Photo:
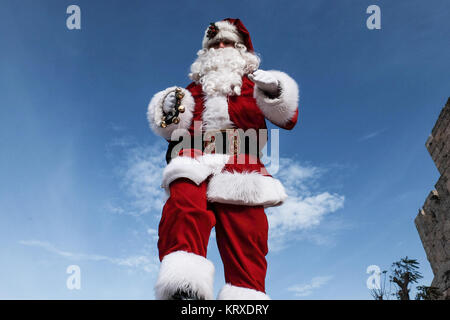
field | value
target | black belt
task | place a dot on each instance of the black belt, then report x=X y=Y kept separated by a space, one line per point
x=221 y=142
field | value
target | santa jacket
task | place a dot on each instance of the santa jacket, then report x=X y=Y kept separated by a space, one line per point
x=231 y=180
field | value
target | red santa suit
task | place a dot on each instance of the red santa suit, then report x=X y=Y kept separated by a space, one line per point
x=228 y=191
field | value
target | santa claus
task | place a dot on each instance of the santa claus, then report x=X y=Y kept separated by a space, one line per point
x=225 y=186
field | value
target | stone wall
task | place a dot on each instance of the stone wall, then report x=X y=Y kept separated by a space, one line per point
x=433 y=220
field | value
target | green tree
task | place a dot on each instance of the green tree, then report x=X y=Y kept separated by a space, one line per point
x=427 y=293
x=404 y=273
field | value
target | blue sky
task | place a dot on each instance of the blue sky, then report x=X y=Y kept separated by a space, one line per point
x=80 y=169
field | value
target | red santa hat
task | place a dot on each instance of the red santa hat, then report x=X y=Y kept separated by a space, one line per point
x=227 y=29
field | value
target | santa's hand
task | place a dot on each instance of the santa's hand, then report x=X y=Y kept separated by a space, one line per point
x=265 y=81
x=169 y=103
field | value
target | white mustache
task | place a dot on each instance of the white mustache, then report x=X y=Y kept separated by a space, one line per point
x=221 y=70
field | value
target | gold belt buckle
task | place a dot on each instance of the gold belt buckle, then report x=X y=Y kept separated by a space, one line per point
x=232 y=139
x=234 y=145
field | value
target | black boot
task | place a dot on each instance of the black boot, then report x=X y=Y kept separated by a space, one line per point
x=185 y=294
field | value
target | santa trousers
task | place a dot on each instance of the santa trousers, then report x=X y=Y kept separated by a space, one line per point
x=241 y=233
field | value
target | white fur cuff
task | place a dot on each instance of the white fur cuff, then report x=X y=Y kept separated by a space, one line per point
x=155 y=113
x=247 y=188
x=230 y=292
x=184 y=270
x=184 y=167
x=282 y=109
x=195 y=169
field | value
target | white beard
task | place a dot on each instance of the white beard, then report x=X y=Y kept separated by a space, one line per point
x=220 y=71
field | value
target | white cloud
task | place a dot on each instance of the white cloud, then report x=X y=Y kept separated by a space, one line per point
x=140 y=174
x=153 y=233
x=135 y=262
x=305 y=208
x=371 y=135
x=304 y=290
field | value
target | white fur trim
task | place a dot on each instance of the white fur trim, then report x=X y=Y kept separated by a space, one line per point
x=155 y=113
x=216 y=162
x=247 y=188
x=279 y=110
x=226 y=31
x=215 y=115
x=195 y=169
x=230 y=292
x=185 y=167
x=184 y=270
